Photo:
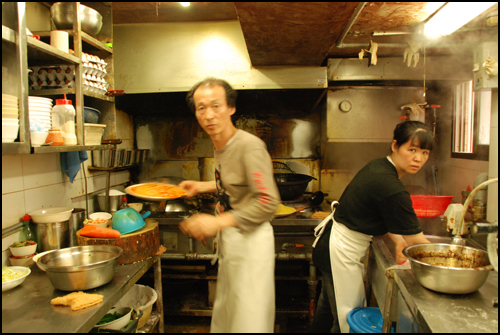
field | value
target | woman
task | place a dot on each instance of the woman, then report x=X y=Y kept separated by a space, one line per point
x=374 y=203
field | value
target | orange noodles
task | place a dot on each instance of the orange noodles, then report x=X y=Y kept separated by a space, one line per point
x=159 y=190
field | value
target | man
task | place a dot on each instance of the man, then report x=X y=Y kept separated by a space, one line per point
x=248 y=199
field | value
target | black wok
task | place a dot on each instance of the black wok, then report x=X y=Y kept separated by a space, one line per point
x=292 y=185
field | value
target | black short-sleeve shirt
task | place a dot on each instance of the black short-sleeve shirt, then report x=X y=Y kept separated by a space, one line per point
x=376 y=202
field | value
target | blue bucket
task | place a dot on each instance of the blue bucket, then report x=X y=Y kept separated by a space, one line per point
x=365 y=320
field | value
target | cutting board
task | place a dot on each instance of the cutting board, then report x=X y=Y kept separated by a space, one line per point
x=137 y=246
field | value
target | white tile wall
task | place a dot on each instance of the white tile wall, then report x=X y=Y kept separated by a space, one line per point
x=31 y=182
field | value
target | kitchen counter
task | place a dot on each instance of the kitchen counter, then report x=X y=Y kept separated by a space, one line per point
x=429 y=311
x=27 y=309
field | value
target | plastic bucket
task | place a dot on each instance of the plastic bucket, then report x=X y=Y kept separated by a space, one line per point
x=365 y=320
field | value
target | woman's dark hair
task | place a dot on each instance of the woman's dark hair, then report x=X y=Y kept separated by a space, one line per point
x=414 y=131
x=211 y=81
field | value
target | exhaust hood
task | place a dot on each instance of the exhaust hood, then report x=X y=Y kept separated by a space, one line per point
x=171 y=57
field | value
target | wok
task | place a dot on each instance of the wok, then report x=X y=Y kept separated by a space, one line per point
x=291 y=185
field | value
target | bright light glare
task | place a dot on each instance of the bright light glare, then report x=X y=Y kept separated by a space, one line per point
x=185 y=4
x=453 y=16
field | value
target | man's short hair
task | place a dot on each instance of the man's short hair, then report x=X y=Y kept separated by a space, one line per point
x=211 y=81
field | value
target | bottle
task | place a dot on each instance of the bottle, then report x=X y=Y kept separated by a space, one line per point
x=28 y=234
x=124 y=203
x=63 y=117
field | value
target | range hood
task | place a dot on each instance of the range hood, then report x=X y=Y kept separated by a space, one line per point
x=171 y=57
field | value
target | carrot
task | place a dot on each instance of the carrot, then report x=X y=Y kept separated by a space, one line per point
x=95 y=231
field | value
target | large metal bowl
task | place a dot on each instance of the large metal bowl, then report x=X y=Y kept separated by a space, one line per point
x=81 y=268
x=447 y=268
x=62 y=16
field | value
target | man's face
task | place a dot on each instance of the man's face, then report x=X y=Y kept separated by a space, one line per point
x=212 y=112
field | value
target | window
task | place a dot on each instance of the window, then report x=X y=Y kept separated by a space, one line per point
x=471 y=122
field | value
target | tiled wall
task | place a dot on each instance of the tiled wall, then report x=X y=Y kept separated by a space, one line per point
x=31 y=182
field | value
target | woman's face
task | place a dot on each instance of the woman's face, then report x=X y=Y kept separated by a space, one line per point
x=409 y=157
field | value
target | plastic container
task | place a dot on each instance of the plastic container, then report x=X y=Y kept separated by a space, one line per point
x=140 y=297
x=429 y=206
x=365 y=320
x=63 y=117
x=54 y=137
x=93 y=133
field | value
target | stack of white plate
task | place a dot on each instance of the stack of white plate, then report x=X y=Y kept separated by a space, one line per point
x=40 y=111
x=10 y=118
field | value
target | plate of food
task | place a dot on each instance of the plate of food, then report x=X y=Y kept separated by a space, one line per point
x=284 y=211
x=156 y=191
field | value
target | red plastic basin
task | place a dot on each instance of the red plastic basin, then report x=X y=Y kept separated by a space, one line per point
x=429 y=206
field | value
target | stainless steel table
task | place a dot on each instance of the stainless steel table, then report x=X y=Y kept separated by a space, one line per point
x=27 y=309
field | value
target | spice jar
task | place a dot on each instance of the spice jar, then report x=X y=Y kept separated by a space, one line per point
x=55 y=137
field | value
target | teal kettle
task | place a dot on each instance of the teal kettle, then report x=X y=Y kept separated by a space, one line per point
x=128 y=220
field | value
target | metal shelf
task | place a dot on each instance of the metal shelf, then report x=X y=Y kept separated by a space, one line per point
x=41 y=53
x=70 y=148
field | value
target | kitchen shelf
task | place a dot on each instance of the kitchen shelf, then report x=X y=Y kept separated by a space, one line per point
x=40 y=53
x=70 y=148
x=20 y=51
x=113 y=169
x=85 y=37
x=71 y=90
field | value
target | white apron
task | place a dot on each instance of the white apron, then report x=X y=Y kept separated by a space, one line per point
x=347 y=247
x=245 y=295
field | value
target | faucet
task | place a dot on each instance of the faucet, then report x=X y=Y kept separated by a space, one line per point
x=489 y=228
x=457 y=239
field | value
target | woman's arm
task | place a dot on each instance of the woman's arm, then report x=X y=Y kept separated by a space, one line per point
x=402 y=241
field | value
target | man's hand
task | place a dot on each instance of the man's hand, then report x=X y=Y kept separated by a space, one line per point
x=205 y=225
x=195 y=187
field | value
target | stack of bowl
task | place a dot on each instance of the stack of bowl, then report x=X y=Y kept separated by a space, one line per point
x=10 y=118
x=40 y=111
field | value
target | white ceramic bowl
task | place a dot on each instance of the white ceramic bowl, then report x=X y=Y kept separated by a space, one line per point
x=101 y=215
x=41 y=99
x=49 y=215
x=37 y=139
x=10 y=116
x=10 y=121
x=47 y=109
x=23 y=251
x=9 y=104
x=10 y=110
x=22 y=260
x=9 y=132
x=38 y=256
x=8 y=97
x=43 y=113
x=15 y=282
x=119 y=323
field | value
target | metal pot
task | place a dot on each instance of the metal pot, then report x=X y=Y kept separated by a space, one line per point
x=291 y=185
x=81 y=268
x=115 y=201
x=448 y=268
x=52 y=236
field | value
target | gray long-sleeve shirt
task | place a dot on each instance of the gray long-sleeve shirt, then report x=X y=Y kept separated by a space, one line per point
x=245 y=180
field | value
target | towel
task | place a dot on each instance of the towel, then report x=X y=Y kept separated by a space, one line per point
x=70 y=163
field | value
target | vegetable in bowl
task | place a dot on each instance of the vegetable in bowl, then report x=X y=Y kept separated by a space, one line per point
x=24 y=243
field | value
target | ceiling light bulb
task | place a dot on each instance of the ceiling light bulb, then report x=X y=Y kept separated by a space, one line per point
x=185 y=4
x=453 y=16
